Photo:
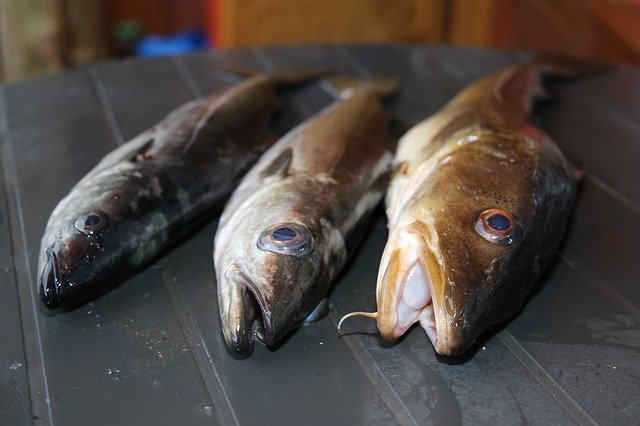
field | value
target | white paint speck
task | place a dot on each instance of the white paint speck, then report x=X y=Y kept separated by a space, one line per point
x=15 y=365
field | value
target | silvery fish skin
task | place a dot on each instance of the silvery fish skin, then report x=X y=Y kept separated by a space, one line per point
x=290 y=226
x=476 y=210
x=146 y=194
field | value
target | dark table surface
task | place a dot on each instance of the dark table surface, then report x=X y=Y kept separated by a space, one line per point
x=151 y=351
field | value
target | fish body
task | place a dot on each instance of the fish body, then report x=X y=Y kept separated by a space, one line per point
x=476 y=210
x=149 y=192
x=291 y=224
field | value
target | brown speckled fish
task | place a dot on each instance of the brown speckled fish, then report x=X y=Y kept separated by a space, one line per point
x=146 y=194
x=290 y=226
x=476 y=210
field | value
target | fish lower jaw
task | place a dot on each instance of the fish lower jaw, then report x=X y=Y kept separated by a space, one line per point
x=240 y=316
x=407 y=317
x=415 y=302
x=428 y=323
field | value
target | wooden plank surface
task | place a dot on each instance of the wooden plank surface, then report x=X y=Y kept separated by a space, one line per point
x=153 y=349
x=242 y=23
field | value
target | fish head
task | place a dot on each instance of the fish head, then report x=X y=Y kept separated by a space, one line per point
x=464 y=252
x=274 y=264
x=96 y=236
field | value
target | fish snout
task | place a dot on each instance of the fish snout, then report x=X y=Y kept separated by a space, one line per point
x=452 y=344
x=50 y=281
x=465 y=321
x=240 y=341
x=67 y=277
x=240 y=316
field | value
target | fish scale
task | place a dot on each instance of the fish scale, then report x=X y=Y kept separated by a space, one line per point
x=476 y=210
x=318 y=187
x=147 y=194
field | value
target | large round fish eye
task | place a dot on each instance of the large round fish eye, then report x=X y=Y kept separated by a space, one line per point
x=286 y=238
x=91 y=222
x=498 y=226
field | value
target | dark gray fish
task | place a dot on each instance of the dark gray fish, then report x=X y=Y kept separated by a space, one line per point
x=476 y=210
x=293 y=221
x=146 y=194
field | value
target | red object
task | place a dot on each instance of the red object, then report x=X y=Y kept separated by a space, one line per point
x=213 y=25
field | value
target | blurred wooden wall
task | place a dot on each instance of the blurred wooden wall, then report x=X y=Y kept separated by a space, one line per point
x=247 y=22
x=605 y=28
x=159 y=16
x=601 y=28
x=47 y=35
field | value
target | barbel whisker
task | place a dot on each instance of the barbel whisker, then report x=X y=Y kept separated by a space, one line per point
x=353 y=314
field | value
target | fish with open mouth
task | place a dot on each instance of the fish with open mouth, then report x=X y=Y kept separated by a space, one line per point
x=151 y=191
x=291 y=224
x=476 y=209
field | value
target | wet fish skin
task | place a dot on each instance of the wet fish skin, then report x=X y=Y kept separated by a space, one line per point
x=154 y=189
x=321 y=181
x=479 y=152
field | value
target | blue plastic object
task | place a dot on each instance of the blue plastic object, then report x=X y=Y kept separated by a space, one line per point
x=184 y=41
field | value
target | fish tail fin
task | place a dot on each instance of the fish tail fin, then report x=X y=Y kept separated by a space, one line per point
x=566 y=66
x=284 y=78
x=293 y=77
x=343 y=86
x=523 y=86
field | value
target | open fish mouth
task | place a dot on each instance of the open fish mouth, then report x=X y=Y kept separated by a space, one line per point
x=405 y=291
x=407 y=298
x=243 y=316
x=415 y=303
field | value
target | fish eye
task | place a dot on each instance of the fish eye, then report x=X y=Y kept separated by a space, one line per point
x=91 y=222
x=498 y=226
x=286 y=238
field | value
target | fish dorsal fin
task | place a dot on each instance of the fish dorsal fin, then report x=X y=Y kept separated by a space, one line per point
x=522 y=86
x=279 y=166
x=343 y=86
x=286 y=77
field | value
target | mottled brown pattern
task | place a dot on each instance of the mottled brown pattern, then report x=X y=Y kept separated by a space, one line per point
x=155 y=188
x=485 y=155
x=325 y=176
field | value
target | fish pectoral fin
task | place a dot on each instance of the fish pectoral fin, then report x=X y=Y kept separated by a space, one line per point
x=142 y=153
x=578 y=171
x=400 y=169
x=318 y=312
x=279 y=166
x=126 y=152
x=342 y=86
